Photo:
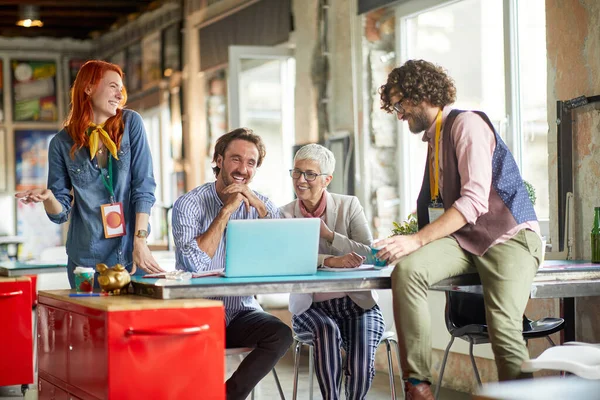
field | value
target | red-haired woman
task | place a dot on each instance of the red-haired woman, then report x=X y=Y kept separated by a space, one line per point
x=101 y=159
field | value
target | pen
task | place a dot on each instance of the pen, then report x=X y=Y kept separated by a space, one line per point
x=88 y=294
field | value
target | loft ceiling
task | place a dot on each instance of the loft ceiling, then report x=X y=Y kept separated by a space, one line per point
x=78 y=19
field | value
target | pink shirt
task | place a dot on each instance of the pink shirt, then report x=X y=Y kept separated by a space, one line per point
x=475 y=144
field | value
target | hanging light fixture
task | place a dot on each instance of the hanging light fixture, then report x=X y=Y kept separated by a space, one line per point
x=29 y=15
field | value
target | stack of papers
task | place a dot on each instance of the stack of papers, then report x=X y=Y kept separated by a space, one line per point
x=180 y=275
x=364 y=267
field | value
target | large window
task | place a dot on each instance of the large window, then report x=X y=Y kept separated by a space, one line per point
x=495 y=50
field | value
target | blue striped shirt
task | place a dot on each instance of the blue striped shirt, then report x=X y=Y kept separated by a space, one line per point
x=192 y=215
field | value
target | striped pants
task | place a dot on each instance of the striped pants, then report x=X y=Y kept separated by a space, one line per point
x=338 y=323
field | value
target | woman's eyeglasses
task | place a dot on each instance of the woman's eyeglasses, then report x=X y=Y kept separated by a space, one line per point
x=309 y=176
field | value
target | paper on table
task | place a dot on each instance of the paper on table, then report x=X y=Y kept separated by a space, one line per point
x=215 y=272
x=364 y=267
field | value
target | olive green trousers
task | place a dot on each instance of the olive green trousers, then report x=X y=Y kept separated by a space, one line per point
x=506 y=271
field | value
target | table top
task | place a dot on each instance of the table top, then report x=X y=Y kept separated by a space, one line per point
x=17 y=268
x=322 y=281
x=14 y=279
x=555 y=279
x=11 y=239
x=125 y=302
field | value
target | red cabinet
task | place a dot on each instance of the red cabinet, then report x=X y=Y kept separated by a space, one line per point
x=47 y=391
x=130 y=347
x=16 y=360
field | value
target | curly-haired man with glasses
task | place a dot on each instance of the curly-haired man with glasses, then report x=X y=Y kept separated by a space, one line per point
x=473 y=212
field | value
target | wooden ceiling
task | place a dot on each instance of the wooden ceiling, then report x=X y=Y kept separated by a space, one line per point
x=78 y=19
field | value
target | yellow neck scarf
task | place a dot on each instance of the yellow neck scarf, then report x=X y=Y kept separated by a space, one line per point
x=98 y=133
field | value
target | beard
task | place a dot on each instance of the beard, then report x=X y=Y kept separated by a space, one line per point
x=228 y=178
x=417 y=121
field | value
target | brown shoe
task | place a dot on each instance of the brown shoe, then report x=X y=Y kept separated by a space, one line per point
x=421 y=391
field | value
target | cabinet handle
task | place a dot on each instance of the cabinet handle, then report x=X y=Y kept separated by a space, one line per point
x=11 y=294
x=188 y=330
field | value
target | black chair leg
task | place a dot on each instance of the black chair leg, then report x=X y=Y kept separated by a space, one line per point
x=439 y=384
x=474 y=364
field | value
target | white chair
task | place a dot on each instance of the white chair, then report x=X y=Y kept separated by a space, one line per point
x=581 y=359
x=242 y=352
x=389 y=338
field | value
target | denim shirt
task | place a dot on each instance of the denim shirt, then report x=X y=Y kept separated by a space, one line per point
x=134 y=186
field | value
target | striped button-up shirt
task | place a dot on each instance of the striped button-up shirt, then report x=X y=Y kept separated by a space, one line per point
x=192 y=215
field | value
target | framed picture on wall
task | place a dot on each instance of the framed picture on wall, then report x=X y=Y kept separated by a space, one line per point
x=34 y=90
x=171 y=49
x=151 y=57
x=134 y=67
x=31 y=168
x=31 y=158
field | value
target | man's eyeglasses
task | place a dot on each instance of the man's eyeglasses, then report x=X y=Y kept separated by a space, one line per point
x=309 y=176
x=398 y=107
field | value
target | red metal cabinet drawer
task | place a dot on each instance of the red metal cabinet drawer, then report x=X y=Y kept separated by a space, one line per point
x=16 y=362
x=87 y=354
x=47 y=391
x=167 y=353
x=53 y=330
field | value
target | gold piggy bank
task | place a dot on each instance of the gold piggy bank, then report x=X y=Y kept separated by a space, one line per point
x=113 y=280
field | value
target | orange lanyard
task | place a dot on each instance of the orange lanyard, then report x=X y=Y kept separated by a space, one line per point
x=434 y=177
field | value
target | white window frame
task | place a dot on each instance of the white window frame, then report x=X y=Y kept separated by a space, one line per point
x=514 y=138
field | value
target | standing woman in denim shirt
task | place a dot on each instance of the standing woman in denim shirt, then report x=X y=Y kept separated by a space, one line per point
x=102 y=161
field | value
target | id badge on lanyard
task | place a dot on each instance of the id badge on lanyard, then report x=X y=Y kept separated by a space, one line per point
x=436 y=207
x=435 y=210
x=113 y=219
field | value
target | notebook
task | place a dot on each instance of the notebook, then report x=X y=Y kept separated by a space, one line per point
x=272 y=247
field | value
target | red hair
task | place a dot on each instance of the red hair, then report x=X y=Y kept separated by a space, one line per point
x=80 y=115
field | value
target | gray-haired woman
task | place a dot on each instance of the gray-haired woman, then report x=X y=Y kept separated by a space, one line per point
x=335 y=320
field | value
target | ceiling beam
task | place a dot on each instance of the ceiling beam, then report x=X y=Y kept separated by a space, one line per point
x=55 y=32
x=89 y=23
x=79 y=4
x=66 y=13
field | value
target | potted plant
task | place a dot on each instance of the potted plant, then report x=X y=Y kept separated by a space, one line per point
x=407 y=227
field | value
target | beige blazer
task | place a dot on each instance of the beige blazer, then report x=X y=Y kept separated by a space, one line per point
x=346 y=218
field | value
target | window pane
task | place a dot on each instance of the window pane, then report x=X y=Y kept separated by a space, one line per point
x=534 y=117
x=467 y=39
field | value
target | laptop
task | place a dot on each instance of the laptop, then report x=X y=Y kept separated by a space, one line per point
x=272 y=247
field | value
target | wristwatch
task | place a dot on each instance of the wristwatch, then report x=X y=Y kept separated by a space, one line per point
x=142 y=233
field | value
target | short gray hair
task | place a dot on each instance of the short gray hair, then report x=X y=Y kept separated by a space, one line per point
x=318 y=153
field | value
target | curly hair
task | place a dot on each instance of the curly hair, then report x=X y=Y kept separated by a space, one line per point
x=240 y=133
x=418 y=81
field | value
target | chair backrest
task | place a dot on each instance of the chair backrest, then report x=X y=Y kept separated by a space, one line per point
x=464 y=309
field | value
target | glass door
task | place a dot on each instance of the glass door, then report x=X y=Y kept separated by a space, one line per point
x=261 y=97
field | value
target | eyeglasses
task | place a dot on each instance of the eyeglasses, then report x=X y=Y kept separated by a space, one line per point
x=398 y=107
x=309 y=176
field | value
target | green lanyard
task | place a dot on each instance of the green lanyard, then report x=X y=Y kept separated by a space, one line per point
x=108 y=180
